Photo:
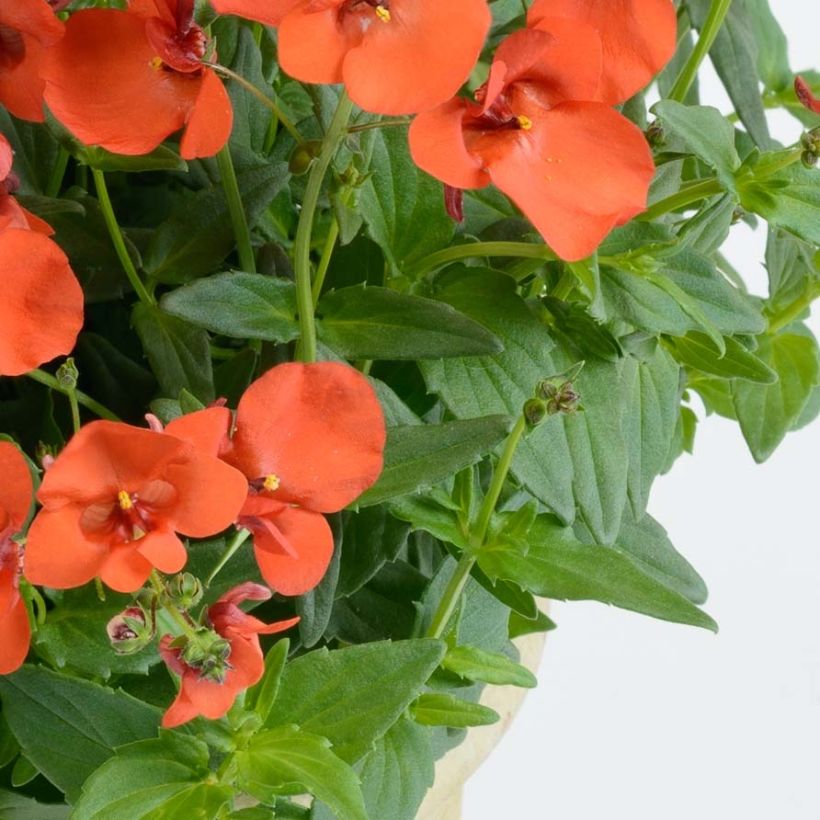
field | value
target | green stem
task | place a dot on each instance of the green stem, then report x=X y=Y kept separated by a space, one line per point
x=452 y=593
x=688 y=195
x=71 y=392
x=711 y=27
x=324 y=262
x=235 y=543
x=564 y=286
x=118 y=239
x=261 y=96
x=791 y=312
x=237 y=211
x=301 y=259
x=368 y=126
x=467 y=251
x=55 y=181
x=179 y=619
x=86 y=401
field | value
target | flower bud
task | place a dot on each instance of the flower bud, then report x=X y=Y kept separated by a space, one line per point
x=67 y=374
x=559 y=393
x=535 y=411
x=131 y=631
x=655 y=135
x=303 y=155
x=809 y=159
x=184 y=590
x=207 y=652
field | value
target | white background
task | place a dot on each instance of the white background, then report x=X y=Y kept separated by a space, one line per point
x=635 y=719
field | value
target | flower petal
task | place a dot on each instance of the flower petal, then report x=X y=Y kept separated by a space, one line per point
x=16 y=488
x=582 y=170
x=638 y=38
x=210 y=120
x=271 y=12
x=318 y=427
x=208 y=430
x=309 y=534
x=437 y=145
x=419 y=58
x=312 y=44
x=124 y=568
x=41 y=311
x=21 y=86
x=115 y=96
x=15 y=636
x=163 y=550
x=58 y=554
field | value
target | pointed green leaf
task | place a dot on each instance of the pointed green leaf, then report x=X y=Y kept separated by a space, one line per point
x=447 y=710
x=487 y=667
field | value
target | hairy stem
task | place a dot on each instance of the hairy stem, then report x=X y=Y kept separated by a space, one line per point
x=301 y=246
x=688 y=195
x=86 y=401
x=239 y=221
x=473 y=249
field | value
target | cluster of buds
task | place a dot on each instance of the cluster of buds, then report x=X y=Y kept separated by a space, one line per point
x=554 y=395
x=183 y=591
x=811 y=145
x=206 y=651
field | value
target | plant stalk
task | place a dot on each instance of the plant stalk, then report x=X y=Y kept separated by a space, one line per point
x=86 y=401
x=118 y=239
x=235 y=543
x=241 y=231
x=443 y=257
x=688 y=195
x=306 y=349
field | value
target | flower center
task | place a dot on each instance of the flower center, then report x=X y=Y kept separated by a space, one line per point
x=381 y=8
x=132 y=515
x=271 y=482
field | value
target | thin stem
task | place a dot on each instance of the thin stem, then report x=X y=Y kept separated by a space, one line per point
x=75 y=408
x=55 y=181
x=500 y=474
x=118 y=239
x=261 y=96
x=179 y=619
x=86 y=401
x=564 y=286
x=324 y=261
x=369 y=126
x=452 y=595
x=234 y=544
x=688 y=195
x=791 y=312
x=455 y=587
x=237 y=211
x=301 y=259
x=473 y=249
x=711 y=27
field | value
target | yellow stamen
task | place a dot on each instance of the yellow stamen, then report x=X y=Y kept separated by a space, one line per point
x=525 y=123
x=271 y=482
x=125 y=500
x=156 y=63
x=383 y=14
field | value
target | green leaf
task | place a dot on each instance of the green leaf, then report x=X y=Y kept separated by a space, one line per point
x=371 y=537
x=707 y=135
x=280 y=760
x=238 y=305
x=160 y=779
x=767 y=412
x=789 y=200
x=734 y=55
x=74 y=635
x=447 y=710
x=398 y=772
x=559 y=566
x=23 y=772
x=791 y=267
x=402 y=206
x=354 y=695
x=67 y=726
x=262 y=696
x=19 y=807
x=198 y=235
x=653 y=397
x=179 y=353
x=580 y=459
x=772 y=46
x=488 y=667
x=697 y=350
x=379 y=323
x=419 y=456
x=649 y=306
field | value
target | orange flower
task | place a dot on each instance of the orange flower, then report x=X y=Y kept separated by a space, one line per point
x=310 y=439
x=394 y=56
x=27 y=29
x=126 y=80
x=542 y=129
x=201 y=695
x=16 y=495
x=114 y=500
x=41 y=311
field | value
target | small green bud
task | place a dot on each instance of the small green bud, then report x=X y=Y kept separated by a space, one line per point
x=809 y=159
x=655 y=135
x=131 y=631
x=208 y=652
x=67 y=374
x=535 y=411
x=303 y=155
x=184 y=590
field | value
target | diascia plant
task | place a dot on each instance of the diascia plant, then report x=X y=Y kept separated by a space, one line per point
x=333 y=335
